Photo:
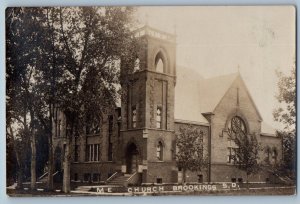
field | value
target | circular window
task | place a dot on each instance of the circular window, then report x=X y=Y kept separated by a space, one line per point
x=238 y=125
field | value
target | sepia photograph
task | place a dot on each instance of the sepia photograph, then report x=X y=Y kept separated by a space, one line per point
x=150 y=100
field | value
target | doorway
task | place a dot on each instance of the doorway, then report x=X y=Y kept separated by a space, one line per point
x=132 y=155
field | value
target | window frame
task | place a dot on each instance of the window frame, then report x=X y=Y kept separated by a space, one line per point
x=159 y=117
x=93 y=152
x=160 y=151
x=134 y=116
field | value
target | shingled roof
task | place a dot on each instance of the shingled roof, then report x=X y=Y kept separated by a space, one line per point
x=214 y=89
x=195 y=95
x=187 y=96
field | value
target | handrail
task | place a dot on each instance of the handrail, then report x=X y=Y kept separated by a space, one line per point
x=42 y=176
x=45 y=174
x=131 y=176
x=112 y=176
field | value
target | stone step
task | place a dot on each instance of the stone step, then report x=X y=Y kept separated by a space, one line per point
x=119 y=181
x=83 y=188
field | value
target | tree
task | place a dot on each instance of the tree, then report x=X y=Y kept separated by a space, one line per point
x=286 y=114
x=246 y=155
x=92 y=41
x=190 y=153
x=288 y=165
x=67 y=59
x=23 y=40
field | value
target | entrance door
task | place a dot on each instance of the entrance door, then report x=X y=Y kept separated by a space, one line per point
x=134 y=163
x=132 y=158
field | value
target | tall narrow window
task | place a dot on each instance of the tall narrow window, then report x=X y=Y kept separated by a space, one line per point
x=76 y=153
x=268 y=152
x=158 y=117
x=231 y=155
x=110 y=152
x=136 y=67
x=110 y=126
x=274 y=156
x=93 y=152
x=160 y=66
x=159 y=63
x=134 y=116
x=75 y=177
x=119 y=128
x=159 y=151
x=59 y=124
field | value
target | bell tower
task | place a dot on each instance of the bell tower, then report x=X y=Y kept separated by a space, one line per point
x=148 y=108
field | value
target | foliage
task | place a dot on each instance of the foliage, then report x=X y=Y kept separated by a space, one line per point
x=190 y=152
x=246 y=158
x=288 y=165
x=286 y=113
x=23 y=39
x=67 y=57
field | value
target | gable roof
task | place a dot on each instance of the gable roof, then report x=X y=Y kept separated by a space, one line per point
x=213 y=90
x=195 y=95
x=187 y=96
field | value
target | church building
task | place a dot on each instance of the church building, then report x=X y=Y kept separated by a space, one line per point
x=136 y=143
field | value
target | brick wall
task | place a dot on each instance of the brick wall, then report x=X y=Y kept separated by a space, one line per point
x=227 y=172
x=225 y=110
x=105 y=169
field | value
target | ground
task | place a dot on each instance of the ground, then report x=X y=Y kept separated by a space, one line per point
x=251 y=190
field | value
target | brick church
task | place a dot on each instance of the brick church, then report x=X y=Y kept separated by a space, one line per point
x=136 y=142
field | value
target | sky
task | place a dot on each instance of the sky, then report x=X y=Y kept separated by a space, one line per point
x=222 y=40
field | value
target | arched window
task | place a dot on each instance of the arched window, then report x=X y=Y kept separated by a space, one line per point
x=159 y=63
x=159 y=151
x=237 y=128
x=158 y=117
x=136 y=67
x=160 y=66
x=134 y=118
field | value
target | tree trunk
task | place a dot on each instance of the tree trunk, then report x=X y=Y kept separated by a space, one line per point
x=247 y=181
x=50 y=161
x=33 y=162
x=20 y=171
x=66 y=167
x=50 y=166
x=33 y=152
x=20 y=178
x=19 y=162
x=183 y=176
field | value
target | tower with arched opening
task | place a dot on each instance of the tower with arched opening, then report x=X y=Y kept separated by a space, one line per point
x=148 y=109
